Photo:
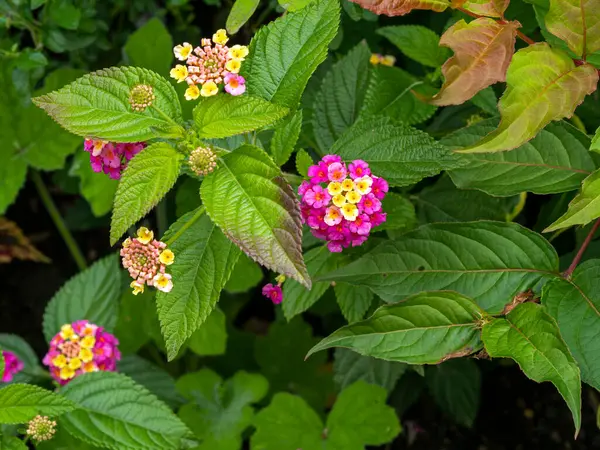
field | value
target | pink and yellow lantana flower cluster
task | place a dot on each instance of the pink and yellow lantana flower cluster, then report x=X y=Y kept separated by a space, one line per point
x=12 y=366
x=210 y=65
x=111 y=157
x=81 y=347
x=384 y=60
x=342 y=204
x=146 y=260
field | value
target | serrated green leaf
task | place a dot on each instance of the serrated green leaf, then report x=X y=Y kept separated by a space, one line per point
x=246 y=275
x=226 y=115
x=250 y=201
x=455 y=386
x=119 y=414
x=240 y=13
x=349 y=367
x=530 y=337
x=574 y=304
x=584 y=208
x=13 y=171
x=543 y=84
x=354 y=301
x=303 y=162
x=285 y=53
x=390 y=93
x=341 y=96
x=285 y=138
x=401 y=154
x=204 y=259
x=97 y=105
x=400 y=213
x=211 y=337
x=418 y=43
x=23 y=351
x=131 y=326
x=556 y=160
x=490 y=262
x=90 y=295
x=19 y=403
x=97 y=188
x=146 y=180
x=576 y=23
x=426 y=328
x=150 y=47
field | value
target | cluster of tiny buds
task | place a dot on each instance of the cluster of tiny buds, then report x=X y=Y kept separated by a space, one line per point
x=41 y=428
x=141 y=96
x=203 y=161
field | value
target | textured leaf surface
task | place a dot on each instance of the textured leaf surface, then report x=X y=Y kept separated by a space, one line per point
x=20 y=403
x=151 y=47
x=97 y=105
x=584 y=208
x=399 y=153
x=402 y=7
x=556 y=160
x=285 y=138
x=204 y=260
x=577 y=22
x=354 y=301
x=530 y=337
x=488 y=8
x=116 y=413
x=250 y=201
x=575 y=305
x=417 y=42
x=285 y=53
x=341 y=96
x=543 y=84
x=91 y=295
x=349 y=367
x=423 y=329
x=227 y=115
x=487 y=261
x=146 y=180
x=483 y=50
x=240 y=13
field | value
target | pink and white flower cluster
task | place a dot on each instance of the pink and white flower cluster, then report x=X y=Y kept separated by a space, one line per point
x=81 y=347
x=342 y=204
x=12 y=366
x=110 y=157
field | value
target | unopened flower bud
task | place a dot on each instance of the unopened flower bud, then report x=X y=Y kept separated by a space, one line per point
x=203 y=161
x=141 y=96
x=41 y=428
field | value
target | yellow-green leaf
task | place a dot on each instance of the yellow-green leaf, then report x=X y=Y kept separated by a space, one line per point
x=577 y=22
x=488 y=8
x=543 y=84
x=401 y=7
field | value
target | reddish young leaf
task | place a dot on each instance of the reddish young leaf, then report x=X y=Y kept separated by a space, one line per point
x=577 y=22
x=488 y=8
x=482 y=52
x=401 y=7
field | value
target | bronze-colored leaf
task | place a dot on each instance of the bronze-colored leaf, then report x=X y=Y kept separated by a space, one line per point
x=401 y=7
x=15 y=245
x=488 y=8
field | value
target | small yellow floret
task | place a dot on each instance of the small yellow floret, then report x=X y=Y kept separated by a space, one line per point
x=375 y=59
x=66 y=373
x=238 y=52
x=388 y=60
x=167 y=257
x=220 y=37
x=350 y=212
x=75 y=363
x=363 y=185
x=339 y=200
x=233 y=65
x=89 y=367
x=334 y=188
x=59 y=361
x=182 y=52
x=137 y=287
x=347 y=184
x=86 y=355
x=179 y=72
x=209 y=89
x=144 y=235
x=192 y=92
x=353 y=197
x=66 y=332
x=88 y=342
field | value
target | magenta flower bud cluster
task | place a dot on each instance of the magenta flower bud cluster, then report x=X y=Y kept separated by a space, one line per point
x=342 y=204
x=81 y=347
x=110 y=157
x=12 y=366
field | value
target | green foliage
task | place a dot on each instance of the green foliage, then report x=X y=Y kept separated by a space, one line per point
x=19 y=403
x=418 y=43
x=285 y=138
x=240 y=13
x=246 y=275
x=23 y=351
x=211 y=337
x=150 y=47
x=98 y=189
x=350 y=367
x=354 y=301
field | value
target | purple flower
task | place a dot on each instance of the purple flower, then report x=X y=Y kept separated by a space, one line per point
x=358 y=169
x=370 y=204
x=317 y=197
x=379 y=187
x=235 y=84
x=336 y=172
x=330 y=159
x=318 y=173
x=304 y=186
x=273 y=293
x=361 y=225
x=12 y=366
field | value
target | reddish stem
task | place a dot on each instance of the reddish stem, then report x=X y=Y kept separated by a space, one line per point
x=524 y=38
x=582 y=249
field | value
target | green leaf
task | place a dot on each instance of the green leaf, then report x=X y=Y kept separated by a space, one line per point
x=64 y=14
x=23 y=351
x=97 y=188
x=400 y=212
x=576 y=22
x=455 y=386
x=556 y=160
x=303 y=162
x=390 y=93
x=150 y=47
x=19 y=403
x=487 y=101
x=530 y=337
x=285 y=138
x=490 y=262
x=246 y=275
x=131 y=326
x=341 y=96
x=354 y=301
x=418 y=43
x=240 y=13
x=226 y=115
x=426 y=328
x=220 y=411
x=97 y=105
x=349 y=367
x=119 y=414
x=13 y=171
x=543 y=84
x=2 y=363
x=146 y=180
x=575 y=304
x=211 y=337
x=250 y=201
x=90 y=295
x=12 y=443
x=401 y=154
x=285 y=53
x=204 y=259
x=584 y=208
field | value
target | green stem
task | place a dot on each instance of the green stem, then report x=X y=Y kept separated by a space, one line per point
x=161 y=217
x=576 y=121
x=188 y=224
x=167 y=118
x=58 y=220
